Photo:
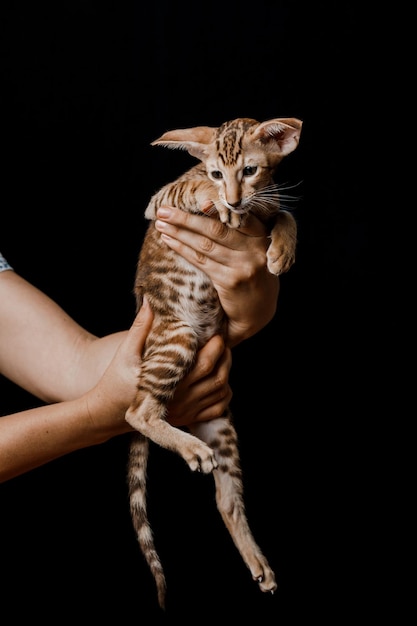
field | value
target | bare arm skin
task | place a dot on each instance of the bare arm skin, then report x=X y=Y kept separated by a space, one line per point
x=34 y=437
x=46 y=352
x=91 y=381
x=42 y=349
x=235 y=260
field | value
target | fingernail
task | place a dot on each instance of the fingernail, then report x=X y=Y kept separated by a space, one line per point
x=164 y=212
x=160 y=225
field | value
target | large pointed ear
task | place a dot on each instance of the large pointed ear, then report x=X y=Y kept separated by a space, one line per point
x=284 y=132
x=194 y=140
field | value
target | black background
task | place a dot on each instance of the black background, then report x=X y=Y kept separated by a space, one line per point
x=85 y=87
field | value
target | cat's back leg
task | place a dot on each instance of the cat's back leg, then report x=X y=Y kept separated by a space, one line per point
x=166 y=360
x=147 y=416
x=221 y=436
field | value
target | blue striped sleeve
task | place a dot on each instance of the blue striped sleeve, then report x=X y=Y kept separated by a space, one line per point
x=4 y=265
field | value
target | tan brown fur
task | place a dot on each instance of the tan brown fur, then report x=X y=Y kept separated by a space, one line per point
x=235 y=175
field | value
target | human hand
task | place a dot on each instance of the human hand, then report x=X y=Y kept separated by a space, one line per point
x=97 y=415
x=204 y=393
x=235 y=260
x=110 y=398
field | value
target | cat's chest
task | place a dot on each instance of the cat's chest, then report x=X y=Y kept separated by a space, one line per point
x=179 y=289
x=195 y=300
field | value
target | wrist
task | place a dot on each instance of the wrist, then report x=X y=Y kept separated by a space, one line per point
x=105 y=419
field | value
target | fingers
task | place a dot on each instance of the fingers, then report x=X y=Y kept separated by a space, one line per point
x=207 y=358
x=199 y=231
x=213 y=393
x=205 y=392
x=216 y=406
x=253 y=227
x=225 y=254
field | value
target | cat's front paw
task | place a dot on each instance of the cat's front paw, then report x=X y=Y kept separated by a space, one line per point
x=200 y=457
x=279 y=259
x=231 y=219
x=281 y=252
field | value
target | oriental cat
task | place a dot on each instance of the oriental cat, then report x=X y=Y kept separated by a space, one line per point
x=234 y=178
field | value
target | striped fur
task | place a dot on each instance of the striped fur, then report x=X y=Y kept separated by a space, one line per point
x=235 y=177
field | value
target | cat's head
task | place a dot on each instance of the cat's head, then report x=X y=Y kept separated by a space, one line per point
x=240 y=158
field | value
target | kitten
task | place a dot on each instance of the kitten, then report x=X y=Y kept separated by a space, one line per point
x=235 y=177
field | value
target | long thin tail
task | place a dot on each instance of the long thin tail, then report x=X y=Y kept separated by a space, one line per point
x=137 y=467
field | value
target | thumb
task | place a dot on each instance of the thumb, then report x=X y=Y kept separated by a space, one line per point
x=141 y=326
x=253 y=227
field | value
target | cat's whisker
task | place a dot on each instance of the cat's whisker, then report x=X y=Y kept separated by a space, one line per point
x=266 y=200
x=285 y=186
x=213 y=209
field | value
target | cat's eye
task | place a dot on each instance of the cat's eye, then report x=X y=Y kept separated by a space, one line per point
x=249 y=170
x=217 y=174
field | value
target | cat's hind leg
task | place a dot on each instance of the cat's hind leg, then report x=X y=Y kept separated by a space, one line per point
x=221 y=436
x=167 y=359
x=147 y=416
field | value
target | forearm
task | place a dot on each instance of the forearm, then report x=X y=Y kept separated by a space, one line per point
x=34 y=437
x=43 y=350
x=95 y=356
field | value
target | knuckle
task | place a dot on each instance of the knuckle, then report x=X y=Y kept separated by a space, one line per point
x=227 y=398
x=206 y=244
x=245 y=276
x=199 y=257
x=218 y=230
x=222 y=378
